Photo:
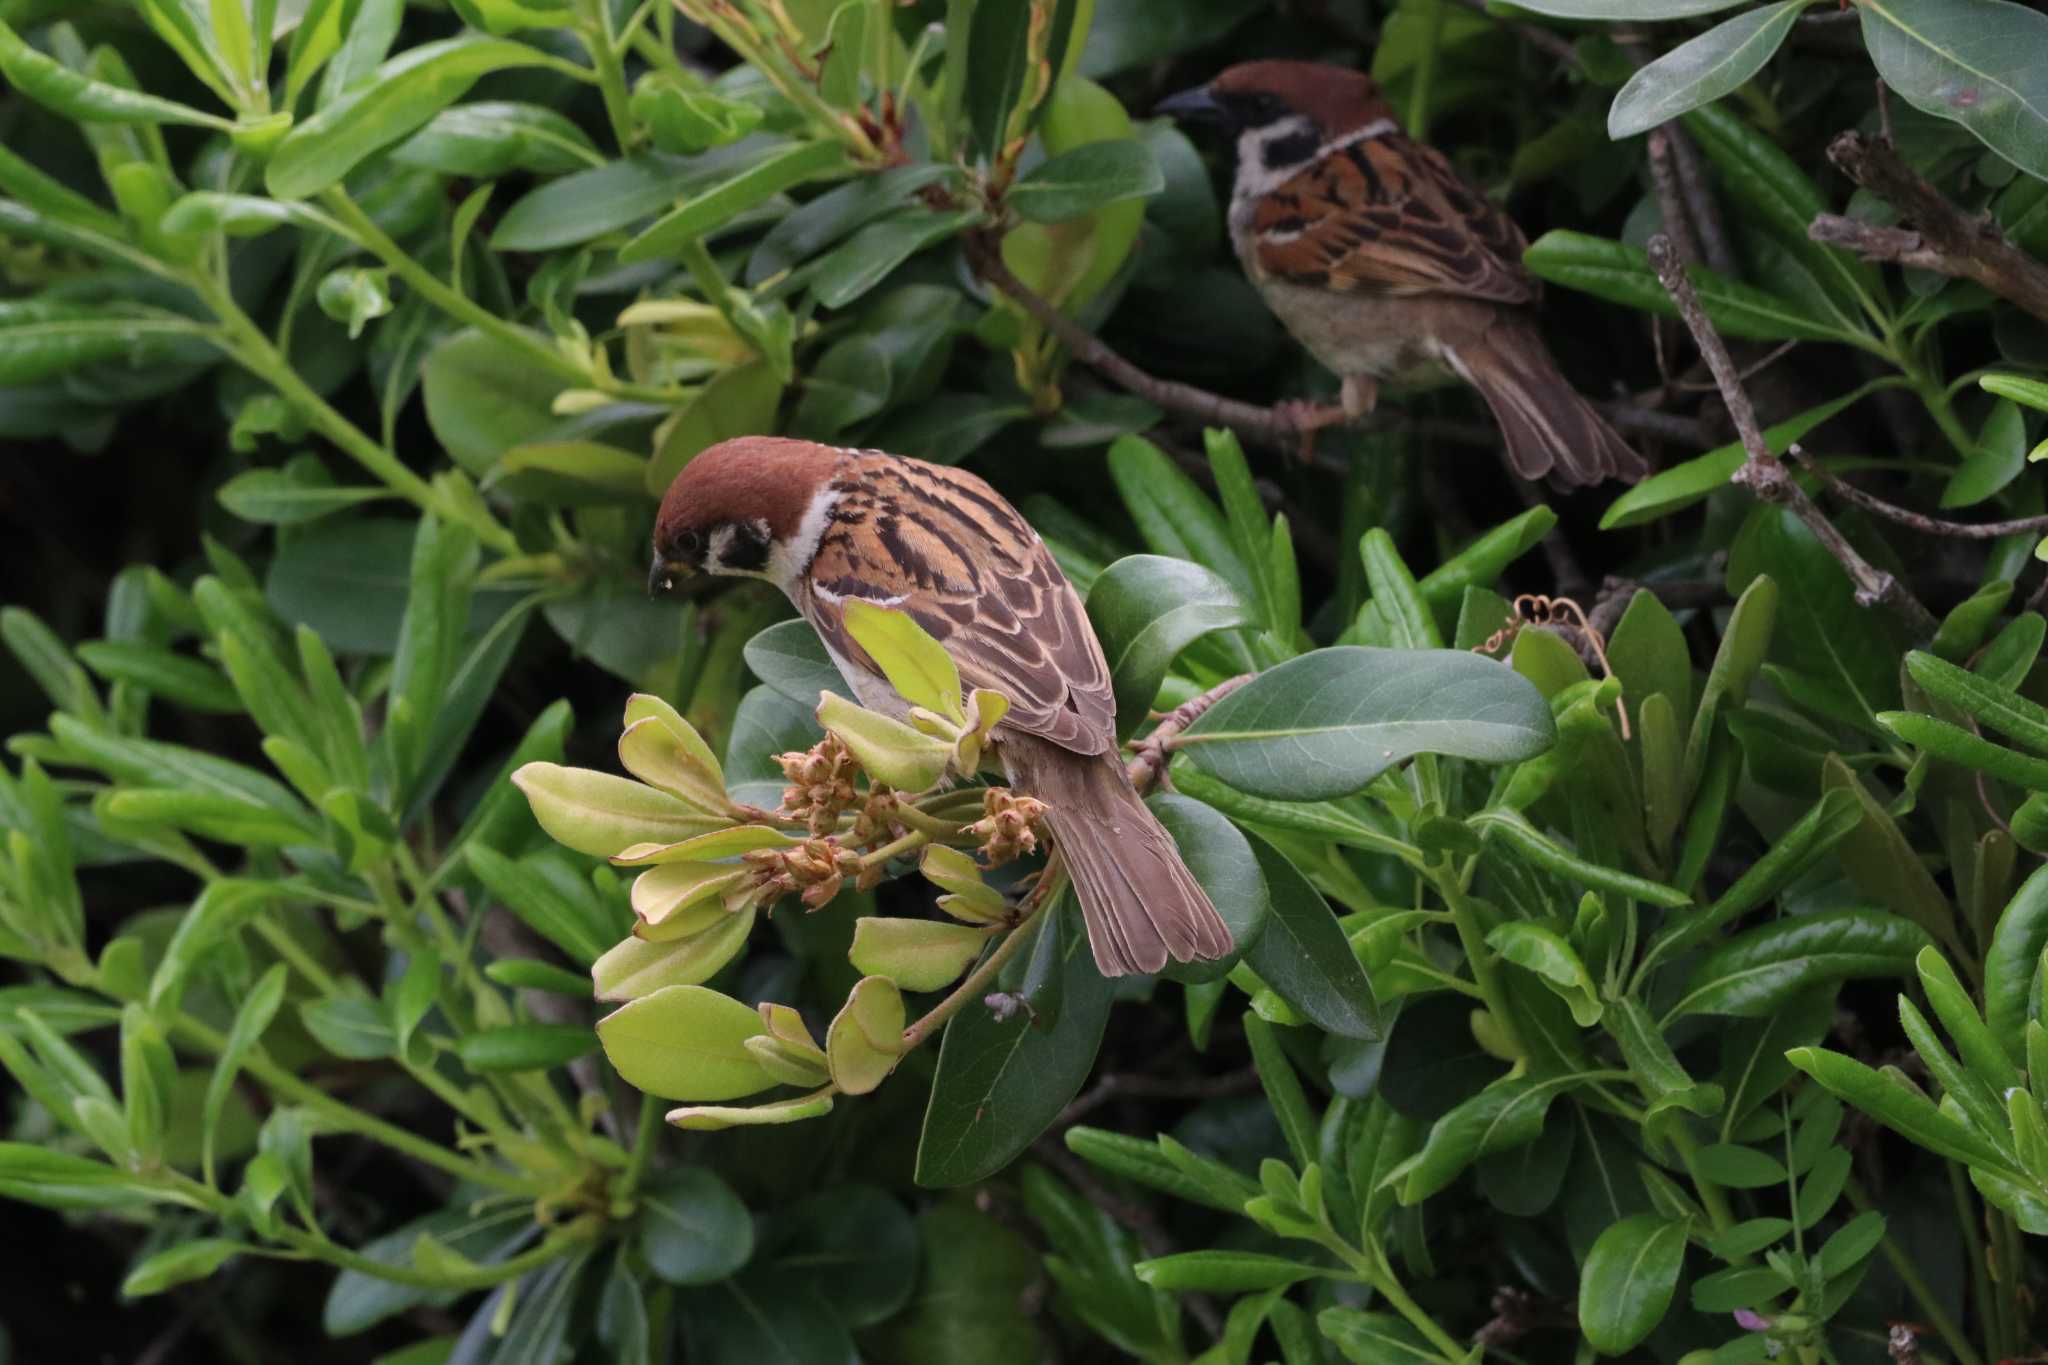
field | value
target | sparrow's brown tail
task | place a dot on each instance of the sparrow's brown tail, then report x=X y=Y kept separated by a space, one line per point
x=1548 y=427
x=1141 y=903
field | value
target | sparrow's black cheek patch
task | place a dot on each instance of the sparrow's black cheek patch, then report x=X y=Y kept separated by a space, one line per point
x=1291 y=150
x=746 y=551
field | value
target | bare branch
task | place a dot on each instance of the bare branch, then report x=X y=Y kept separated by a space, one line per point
x=1919 y=521
x=1763 y=473
x=1282 y=427
x=1155 y=751
x=1944 y=237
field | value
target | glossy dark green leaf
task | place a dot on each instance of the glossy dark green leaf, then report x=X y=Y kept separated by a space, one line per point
x=591 y=203
x=854 y=1244
x=1000 y=1083
x=404 y=93
x=692 y=1228
x=525 y=1047
x=1851 y=649
x=1325 y=724
x=485 y=139
x=784 y=169
x=1969 y=61
x=1755 y=972
x=1235 y=1272
x=1146 y=609
x=1683 y=484
x=1701 y=69
x=1084 y=179
x=789 y=657
x=997 y=57
x=1303 y=955
x=1621 y=274
x=1499 y=1118
x=972 y=1274
x=1225 y=866
x=1628 y=1281
x=834 y=215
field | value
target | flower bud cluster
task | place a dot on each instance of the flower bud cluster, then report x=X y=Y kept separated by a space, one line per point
x=1010 y=826
x=820 y=784
x=813 y=870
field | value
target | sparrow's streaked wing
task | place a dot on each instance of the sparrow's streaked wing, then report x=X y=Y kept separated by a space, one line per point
x=941 y=545
x=1389 y=215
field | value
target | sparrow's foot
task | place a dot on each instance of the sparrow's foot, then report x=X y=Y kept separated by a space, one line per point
x=1307 y=417
x=1361 y=394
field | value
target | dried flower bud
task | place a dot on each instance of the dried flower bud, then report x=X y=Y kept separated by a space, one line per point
x=820 y=784
x=813 y=870
x=875 y=822
x=1010 y=826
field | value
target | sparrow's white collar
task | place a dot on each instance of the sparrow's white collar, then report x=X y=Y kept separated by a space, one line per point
x=789 y=562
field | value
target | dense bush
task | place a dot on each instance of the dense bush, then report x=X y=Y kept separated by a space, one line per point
x=1641 y=939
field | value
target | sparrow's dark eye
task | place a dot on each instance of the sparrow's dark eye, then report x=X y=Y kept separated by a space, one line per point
x=689 y=546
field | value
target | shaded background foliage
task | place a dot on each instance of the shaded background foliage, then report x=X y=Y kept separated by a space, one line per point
x=1813 y=802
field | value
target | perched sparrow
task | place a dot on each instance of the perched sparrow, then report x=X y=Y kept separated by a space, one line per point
x=828 y=526
x=1389 y=267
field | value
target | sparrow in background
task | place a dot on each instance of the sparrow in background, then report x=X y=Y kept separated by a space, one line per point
x=829 y=526
x=1387 y=266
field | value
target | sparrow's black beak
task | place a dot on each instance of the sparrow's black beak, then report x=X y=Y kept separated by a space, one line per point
x=1194 y=106
x=661 y=579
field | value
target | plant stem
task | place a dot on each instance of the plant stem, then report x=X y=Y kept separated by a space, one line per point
x=605 y=51
x=1712 y=1199
x=444 y=297
x=972 y=987
x=1916 y=1284
x=1477 y=955
x=483 y=1277
x=643 y=1149
x=1980 y=1265
x=348 y=1117
x=253 y=350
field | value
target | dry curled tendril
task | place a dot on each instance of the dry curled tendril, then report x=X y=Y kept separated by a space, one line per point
x=1568 y=619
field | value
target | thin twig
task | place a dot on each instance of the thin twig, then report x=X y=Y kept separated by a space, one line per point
x=1273 y=426
x=1944 y=237
x=1763 y=473
x=1155 y=751
x=1120 y=1085
x=1671 y=201
x=1919 y=521
x=1699 y=202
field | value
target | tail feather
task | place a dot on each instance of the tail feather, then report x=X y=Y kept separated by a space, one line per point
x=1140 y=902
x=1548 y=427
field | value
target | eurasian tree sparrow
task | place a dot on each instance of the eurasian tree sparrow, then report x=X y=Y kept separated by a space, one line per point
x=830 y=526
x=1387 y=266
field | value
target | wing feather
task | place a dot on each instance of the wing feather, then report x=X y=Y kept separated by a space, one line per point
x=942 y=545
x=1386 y=214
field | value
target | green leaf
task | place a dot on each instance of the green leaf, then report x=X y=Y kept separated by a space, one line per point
x=1739 y=1167
x=998 y=54
x=1231 y=1272
x=1738 y=1287
x=587 y=204
x=50 y=83
x=1303 y=955
x=1964 y=747
x=1621 y=274
x=692 y=1229
x=1701 y=69
x=59 y=1180
x=1610 y=11
x=784 y=169
x=1628 y=1280
x=1000 y=1083
x=1375 y=1338
x=1753 y=973
x=1999 y=456
x=741 y=400
x=1546 y=953
x=1850 y=649
x=153 y=669
x=484 y=396
x=1501 y=1117
x=1146 y=609
x=178 y=1265
x=485 y=139
x=351 y=1026
x=1480 y=563
x=1969 y=61
x=1165 y=1166
x=404 y=93
x=972 y=1274
x=789 y=657
x=854 y=1245
x=1173 y=516
x=915 y=664
x=835 y=215
x=1999 y=708
x=297 y=493
x=1327 y=723
x=524 y=1047
x=685 y=1043
x=864 y=260
x=1086 y=178
x=2013 y=963
x=1903 y=1110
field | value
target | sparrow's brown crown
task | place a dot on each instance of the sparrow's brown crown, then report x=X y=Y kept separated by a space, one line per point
x=759 y=485
x=1335 y=98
